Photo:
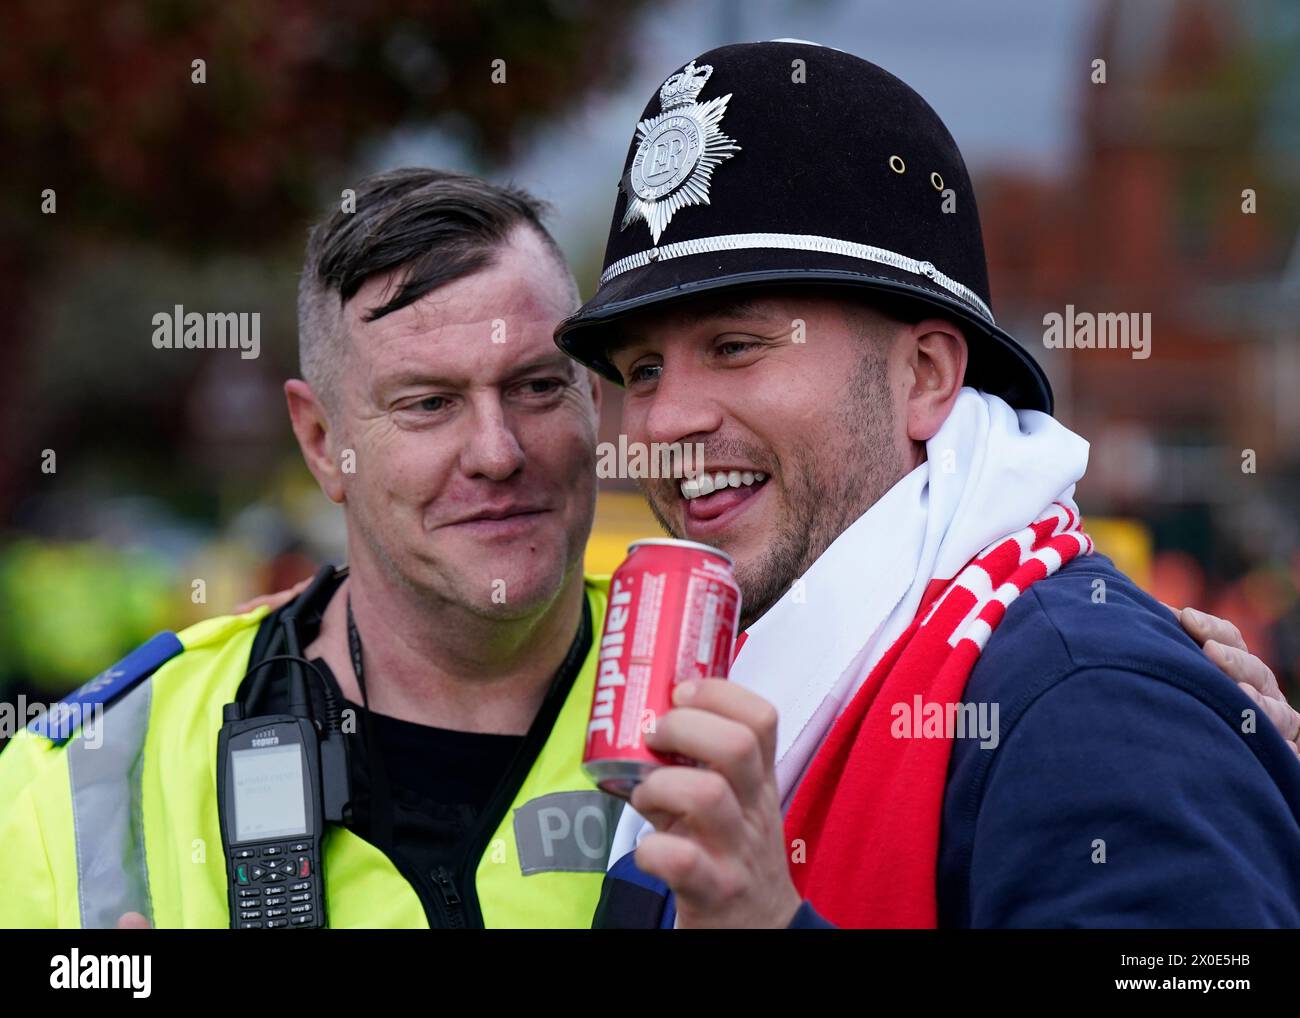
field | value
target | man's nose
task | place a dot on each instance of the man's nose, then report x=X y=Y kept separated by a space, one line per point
x=682 y=406
x=492 y=450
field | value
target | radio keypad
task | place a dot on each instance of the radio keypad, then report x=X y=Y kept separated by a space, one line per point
x=266 y=899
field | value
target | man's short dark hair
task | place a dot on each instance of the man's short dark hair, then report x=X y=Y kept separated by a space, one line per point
x=435 y=225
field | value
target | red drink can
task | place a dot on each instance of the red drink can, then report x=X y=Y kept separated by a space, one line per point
x=674 y=607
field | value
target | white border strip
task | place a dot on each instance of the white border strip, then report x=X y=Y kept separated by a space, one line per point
x=797 y=242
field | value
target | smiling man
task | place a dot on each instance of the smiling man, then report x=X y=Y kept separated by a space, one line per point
x=780 y=483
x=448 y=670
x=795 y=280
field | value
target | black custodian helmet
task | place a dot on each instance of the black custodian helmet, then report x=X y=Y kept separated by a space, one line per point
x=785 y=163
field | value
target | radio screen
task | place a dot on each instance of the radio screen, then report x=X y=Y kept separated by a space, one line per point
x=270 y=801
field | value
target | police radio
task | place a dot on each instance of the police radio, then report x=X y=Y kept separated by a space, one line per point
x=270 y=796
x=280 y=779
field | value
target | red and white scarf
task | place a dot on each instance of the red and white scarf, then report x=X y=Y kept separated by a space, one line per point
x=867 y=813
x=990 y=473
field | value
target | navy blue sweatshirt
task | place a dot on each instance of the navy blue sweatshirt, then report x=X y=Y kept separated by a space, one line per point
x=1132 y=784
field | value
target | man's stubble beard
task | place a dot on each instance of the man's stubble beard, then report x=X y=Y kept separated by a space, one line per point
x=828 y=498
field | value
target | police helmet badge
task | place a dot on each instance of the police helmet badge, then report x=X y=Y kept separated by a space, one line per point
x=678 y=151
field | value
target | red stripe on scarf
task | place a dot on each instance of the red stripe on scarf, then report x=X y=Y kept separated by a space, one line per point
x=864 y=823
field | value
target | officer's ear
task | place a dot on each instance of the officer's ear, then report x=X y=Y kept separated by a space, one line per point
x=936 y=358
x=312 y=429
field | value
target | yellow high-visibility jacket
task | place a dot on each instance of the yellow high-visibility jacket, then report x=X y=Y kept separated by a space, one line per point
x=91 y=828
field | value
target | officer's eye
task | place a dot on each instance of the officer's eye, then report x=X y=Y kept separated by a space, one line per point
x=429 y=404
x=541 y=386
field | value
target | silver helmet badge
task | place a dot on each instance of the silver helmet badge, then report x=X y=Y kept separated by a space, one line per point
x=678 y=152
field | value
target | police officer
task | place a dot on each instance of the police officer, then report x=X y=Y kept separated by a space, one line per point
x=454 y=656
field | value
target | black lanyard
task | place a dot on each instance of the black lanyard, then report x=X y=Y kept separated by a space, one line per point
x=381 y=813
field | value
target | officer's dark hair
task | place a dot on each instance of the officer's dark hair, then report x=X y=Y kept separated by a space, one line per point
x=434 y=225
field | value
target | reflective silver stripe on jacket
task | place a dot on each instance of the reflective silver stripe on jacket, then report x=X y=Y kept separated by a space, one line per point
x=798 y=242
x=108 y=824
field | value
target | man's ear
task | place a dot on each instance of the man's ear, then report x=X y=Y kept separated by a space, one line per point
x=593 y=380
x=312 y=429
x=938 y=361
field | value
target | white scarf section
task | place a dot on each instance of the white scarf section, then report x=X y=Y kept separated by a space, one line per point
x=989 y=472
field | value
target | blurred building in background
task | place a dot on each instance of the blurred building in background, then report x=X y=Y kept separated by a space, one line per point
x=1196 y=121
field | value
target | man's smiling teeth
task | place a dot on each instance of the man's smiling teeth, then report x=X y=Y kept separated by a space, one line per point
x=709 y=483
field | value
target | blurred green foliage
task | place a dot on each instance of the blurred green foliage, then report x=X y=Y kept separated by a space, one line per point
x=71 y=608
